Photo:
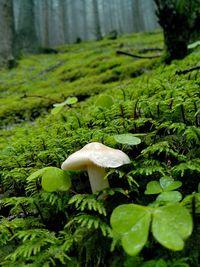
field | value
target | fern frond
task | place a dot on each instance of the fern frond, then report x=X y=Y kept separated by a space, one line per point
x=33 y=234
x=192 y=134
x=191 y=165
x=33 y=241
x=177 y=127
x=16 y=201
x=19 y=204
x=6 y=232
x=13 y=180
x=40 y=247
x=90 y=221
x=149 y=167
x=68 y=241
x=88 y=202
x=158 y=148
x=8 y=228
x=34 y=182
x=56 y=199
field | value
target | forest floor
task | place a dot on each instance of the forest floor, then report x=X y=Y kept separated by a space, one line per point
x=83 y=70
x=101 y=93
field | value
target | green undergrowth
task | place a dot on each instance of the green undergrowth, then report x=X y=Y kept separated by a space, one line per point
x=81 y=70
x=148 y=99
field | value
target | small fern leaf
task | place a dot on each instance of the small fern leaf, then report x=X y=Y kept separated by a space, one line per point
x=88 y=202
x=90 y=222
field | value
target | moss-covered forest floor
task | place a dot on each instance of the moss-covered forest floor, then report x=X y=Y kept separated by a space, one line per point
x=116 y=94
x=81 y=70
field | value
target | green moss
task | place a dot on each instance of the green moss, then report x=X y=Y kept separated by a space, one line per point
x=148 y=99
x=44 y=77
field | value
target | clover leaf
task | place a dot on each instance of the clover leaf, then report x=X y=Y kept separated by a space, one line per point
x=131 y=222
x=171 y=225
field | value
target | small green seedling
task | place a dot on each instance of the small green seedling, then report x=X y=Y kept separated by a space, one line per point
x=165 y=188
x=59 y=106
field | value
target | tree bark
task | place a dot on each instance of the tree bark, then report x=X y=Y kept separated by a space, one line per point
x=97 y=21
x=26 y=32
x=176 y=24
x=6 y=34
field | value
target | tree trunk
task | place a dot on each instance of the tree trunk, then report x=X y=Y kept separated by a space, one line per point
x=176 y=27
x=26 y=33
x=97 y=21
x=6 y=34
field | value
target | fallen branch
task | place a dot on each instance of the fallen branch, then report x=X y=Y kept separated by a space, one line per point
x=136 y=56
x=150 y=49
x=179 y=72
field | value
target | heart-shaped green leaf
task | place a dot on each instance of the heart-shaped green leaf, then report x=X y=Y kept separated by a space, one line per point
x=153 y=187
x=171 y=225
x=54 y=179
x=171 y=196
x=127 y=139
x=168 y=183
x=131 y=222
x=174 y=185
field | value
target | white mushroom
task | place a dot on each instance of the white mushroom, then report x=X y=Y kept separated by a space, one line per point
x=95 y=157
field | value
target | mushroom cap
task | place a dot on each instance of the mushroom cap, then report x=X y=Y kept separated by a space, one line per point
x=97 y=154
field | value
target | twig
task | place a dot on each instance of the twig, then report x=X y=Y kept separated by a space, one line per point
x=179 y=72
x=136 y=56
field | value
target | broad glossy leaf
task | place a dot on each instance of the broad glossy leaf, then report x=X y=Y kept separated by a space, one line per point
x=171 y=196
x=168 y=183
x=174 y=185
x=55 y=179
x=128 y=139
x=131 y=222
x=153 y=187
x=171 y=225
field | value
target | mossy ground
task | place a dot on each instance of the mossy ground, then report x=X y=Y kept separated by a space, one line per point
x=29 y=90
x=148 y=97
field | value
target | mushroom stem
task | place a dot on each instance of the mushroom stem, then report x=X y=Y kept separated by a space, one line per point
x=96 y=176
